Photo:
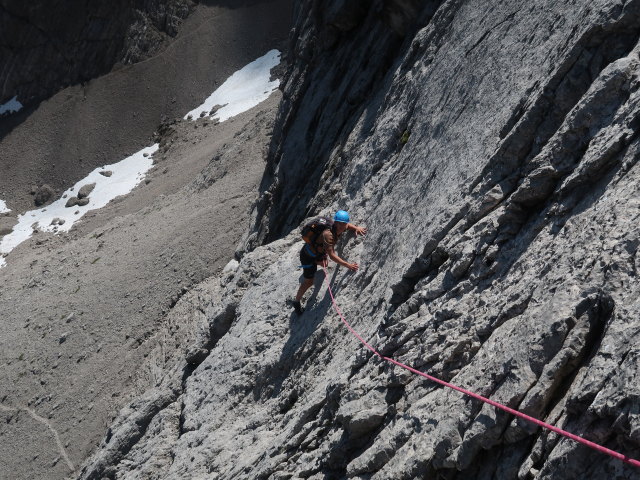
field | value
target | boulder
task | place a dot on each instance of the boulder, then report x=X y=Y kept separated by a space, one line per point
x=85 y=190
x=43 y=195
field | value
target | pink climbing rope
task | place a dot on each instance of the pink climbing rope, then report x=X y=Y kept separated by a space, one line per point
x=524 y=416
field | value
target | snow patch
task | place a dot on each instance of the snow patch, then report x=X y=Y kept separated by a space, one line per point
x=243 y=90
x=125 y=175
x=11 y=106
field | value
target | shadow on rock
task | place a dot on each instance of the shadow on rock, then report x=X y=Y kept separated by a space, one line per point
x=301 y=327
x=305 y=339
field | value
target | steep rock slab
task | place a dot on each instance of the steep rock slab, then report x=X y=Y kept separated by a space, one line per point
x=496 y=166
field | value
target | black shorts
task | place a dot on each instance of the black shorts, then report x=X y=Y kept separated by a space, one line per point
x=308 y=263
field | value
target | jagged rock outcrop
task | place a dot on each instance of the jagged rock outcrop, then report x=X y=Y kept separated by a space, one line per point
x=492 y=151
x=45 y=46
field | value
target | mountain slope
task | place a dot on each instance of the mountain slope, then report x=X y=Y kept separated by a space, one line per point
x=492 y=152
x=81 y=312
x=62 y=139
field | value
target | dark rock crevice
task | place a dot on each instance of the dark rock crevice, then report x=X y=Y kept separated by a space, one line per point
x=581 y=343
x=508 y=18
x=219 y=325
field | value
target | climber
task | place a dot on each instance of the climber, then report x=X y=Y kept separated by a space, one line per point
x=321 y=236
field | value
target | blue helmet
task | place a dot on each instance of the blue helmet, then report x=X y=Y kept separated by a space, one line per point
x=341 y=216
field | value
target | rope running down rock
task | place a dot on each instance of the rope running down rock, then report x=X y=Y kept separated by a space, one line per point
x=524 y=416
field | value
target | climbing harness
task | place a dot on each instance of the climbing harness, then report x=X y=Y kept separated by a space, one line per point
x=524 y=416
x=307 y=248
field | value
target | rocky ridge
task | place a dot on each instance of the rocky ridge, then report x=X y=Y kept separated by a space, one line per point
x=492 y=151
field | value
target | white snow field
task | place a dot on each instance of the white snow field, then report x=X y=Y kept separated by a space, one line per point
x=125 y=175
x=243 y=90
x=3 y=207
x=11 y=106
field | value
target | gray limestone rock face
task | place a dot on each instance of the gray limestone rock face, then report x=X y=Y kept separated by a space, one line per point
x=491 y=149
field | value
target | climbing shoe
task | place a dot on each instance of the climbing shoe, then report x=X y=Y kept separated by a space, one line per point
x=296 y=306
